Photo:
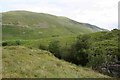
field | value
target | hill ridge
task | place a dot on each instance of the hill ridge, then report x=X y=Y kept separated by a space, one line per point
x=39 y=25
x=24 y=11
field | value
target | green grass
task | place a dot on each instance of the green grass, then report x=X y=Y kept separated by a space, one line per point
x=65 y=40
x=22 y=62
x=29 y=25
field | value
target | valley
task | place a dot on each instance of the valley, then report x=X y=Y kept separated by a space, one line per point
x=48 y=46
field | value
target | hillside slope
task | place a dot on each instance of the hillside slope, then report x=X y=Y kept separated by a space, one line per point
x=31 y=25
x=23 y=62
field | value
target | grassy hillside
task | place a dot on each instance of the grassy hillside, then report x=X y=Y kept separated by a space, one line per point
x=36 y=30
x=30 y=25
x=19 y=61
x=66 y=40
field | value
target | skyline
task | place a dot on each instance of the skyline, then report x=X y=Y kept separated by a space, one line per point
x=103 y=14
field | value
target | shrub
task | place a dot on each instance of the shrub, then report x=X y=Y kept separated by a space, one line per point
x=54 y=48
x=79 y=50
x=17 y=42
x=102 y=53
x=4 y=43
x=11 y=43
x=43 y=47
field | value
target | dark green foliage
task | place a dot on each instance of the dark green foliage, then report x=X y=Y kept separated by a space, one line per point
x=65 y=53
x=55 y=35
x=101 y=55
x=4 y=43
x=54 y=48
x=43 y=47
x=97 y=50
x=104 y=49
x=18 y=42
x=79 y=50
x=94 y=50
x=11 y=43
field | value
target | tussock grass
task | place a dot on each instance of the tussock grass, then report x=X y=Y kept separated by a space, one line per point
x=22 y=62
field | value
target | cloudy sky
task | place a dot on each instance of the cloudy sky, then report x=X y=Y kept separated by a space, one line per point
x=103 y=13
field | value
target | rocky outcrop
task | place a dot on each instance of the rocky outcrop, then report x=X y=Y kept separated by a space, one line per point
x=112 y=69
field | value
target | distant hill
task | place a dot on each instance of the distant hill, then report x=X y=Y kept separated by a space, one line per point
x=31 y=25
x=22 y=62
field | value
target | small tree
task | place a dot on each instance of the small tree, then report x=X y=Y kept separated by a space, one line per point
x=54 y=48
x=79 y=50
